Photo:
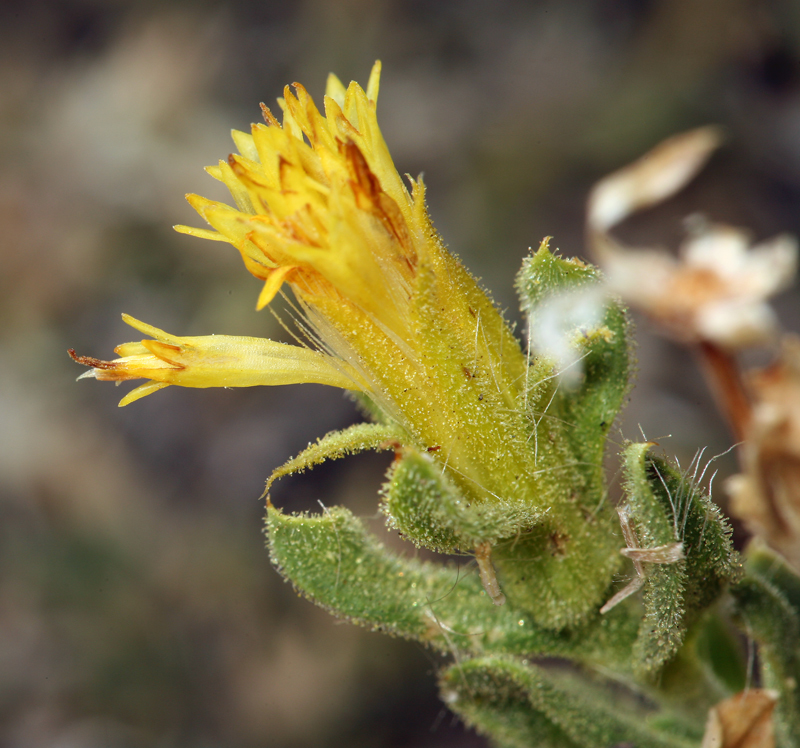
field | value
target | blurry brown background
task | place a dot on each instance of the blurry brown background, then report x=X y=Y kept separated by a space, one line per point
x=137 y=603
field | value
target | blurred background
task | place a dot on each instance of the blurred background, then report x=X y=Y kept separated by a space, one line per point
x=137 y=603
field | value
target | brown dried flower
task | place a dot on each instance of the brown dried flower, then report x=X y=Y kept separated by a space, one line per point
x=742 y=721
x=767 y=495
x=716 y=290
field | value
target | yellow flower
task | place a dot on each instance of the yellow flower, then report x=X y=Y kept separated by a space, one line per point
x=213 y=361
x=321 y=208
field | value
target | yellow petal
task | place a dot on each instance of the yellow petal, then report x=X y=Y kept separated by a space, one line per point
x=272 y=286
x=153 y=332
x=143 y=390
x=214 y=236
x=373 y=85
x=244 y=142
x=335 y=89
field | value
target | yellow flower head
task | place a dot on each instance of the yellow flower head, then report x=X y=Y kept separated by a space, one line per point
x=321 y=210
x=320 y=207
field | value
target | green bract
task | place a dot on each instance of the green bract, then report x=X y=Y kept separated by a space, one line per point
x=646 y=671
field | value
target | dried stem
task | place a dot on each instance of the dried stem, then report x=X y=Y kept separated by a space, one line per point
x=483 y=555
x=725 y=380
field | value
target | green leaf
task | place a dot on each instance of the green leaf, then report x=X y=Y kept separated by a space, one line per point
x=561 y=572
x=771 y=567
x=718 y=646
x=545 y=273
x=667 y=508
x=768 y=617
x=422 y=503
x=338 y=444
x=332 y=559
x=521 y=705
x=417 y=498
x=588 y=411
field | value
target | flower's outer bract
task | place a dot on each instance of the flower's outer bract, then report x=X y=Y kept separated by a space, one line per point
x=767 y=494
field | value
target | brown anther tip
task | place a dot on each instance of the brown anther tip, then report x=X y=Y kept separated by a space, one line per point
x=95 y=363
x=269 y=117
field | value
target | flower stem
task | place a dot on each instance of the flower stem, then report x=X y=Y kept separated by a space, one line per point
x=725 y=381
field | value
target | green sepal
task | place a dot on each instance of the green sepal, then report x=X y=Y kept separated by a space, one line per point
x=768 y=617
x=561 y=569
x=589 y=410
x=519 y=705
x=666 y=507
x=422 y=503
x=561 y=573
x=338 y=444
x=331 y=559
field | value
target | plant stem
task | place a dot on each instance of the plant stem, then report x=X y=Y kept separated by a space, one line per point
x=725 y=381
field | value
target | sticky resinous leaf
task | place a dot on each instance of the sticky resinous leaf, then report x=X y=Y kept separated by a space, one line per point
x=562 y=568
x=333 y=560
x=667 y=508
x=520 y=704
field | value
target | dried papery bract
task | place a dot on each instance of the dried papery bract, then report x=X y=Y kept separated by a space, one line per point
x=767 y=494
x=648 y=181
x=715 y=291
x=742 y=721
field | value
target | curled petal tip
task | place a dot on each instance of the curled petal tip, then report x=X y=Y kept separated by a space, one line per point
x=95 y=363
